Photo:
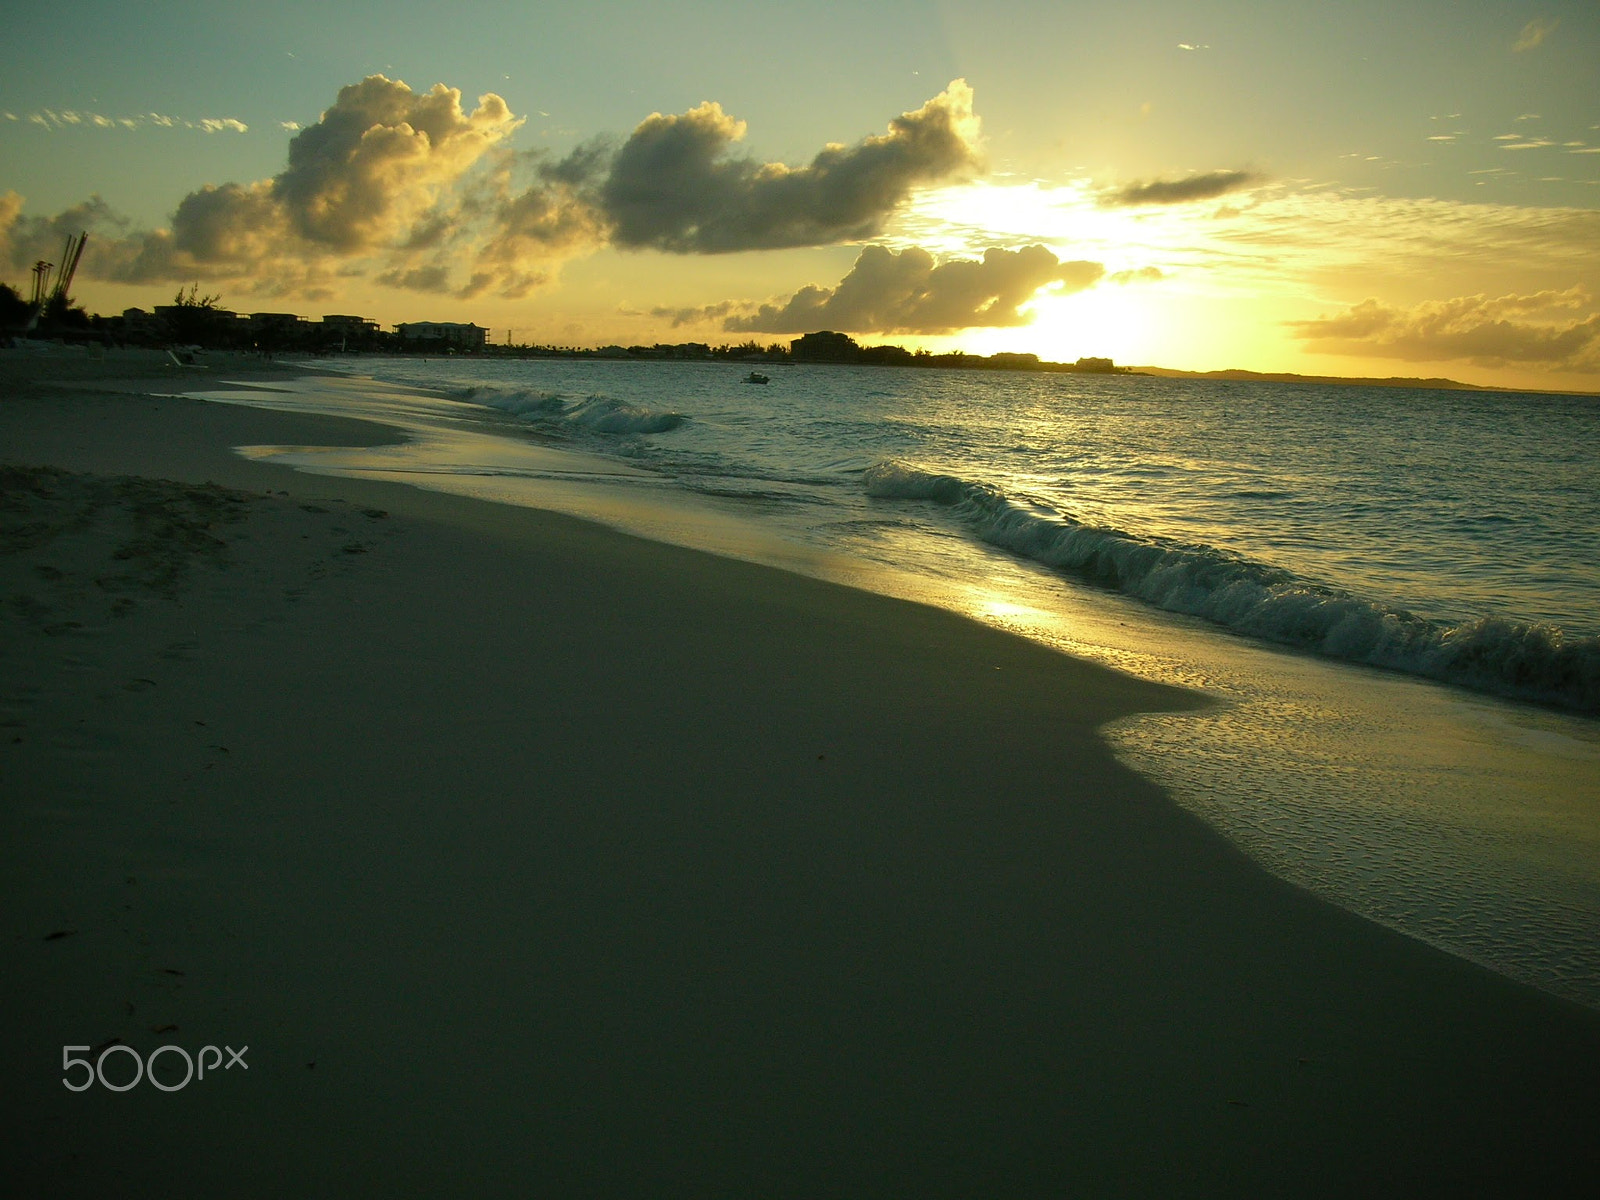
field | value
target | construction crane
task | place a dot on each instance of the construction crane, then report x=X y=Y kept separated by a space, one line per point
x=69 y=267
x=41 y=283
x=47 y=296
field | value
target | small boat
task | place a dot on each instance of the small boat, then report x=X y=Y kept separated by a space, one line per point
x=756 y=377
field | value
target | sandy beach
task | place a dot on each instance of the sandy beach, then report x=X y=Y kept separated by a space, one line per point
x=531 y=859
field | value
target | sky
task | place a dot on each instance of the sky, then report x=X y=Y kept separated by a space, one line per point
x=1395 y=188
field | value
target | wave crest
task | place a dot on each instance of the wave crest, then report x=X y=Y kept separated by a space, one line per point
x=606 y=415
x=600 y=414
x=1493 y=654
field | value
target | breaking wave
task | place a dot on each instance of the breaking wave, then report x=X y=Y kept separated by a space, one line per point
x=599 y=414
x=605 y=415
x=1511 y=658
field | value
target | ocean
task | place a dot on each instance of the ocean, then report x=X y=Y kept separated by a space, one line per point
x=1393 y=595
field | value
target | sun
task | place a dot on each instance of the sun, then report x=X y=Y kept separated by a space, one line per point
x=1115 y=318
x=1166 y=295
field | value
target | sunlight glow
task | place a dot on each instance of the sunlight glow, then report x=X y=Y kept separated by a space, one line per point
x=967 y=220
x=1159 y=279
x=1213 y=284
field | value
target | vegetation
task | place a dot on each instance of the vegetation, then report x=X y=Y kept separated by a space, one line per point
x=193 y=299
x=61 y=317
x=198 y=319
x=820 y=347
x=14 y=310
x=195 y=319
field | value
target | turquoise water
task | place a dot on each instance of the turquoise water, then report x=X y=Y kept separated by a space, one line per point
x=1392 y=592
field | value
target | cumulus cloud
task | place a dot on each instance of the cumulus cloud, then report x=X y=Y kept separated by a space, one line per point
x=361 y=182
x=1181 y=191
x=1534 y=33
x=1489 y=331
x=414 y=191
x=25 y=240
x=908 y=292
x=675 y=186
x=379 y=157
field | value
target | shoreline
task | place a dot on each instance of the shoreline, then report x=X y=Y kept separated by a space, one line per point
x=582 y=863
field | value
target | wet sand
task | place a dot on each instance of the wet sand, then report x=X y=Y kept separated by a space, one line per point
x=528 y=858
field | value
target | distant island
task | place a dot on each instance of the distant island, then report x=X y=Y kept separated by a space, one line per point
x=1400 y=381
x=1434 y=383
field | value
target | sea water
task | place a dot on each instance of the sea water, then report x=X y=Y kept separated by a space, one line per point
x=1393 y=594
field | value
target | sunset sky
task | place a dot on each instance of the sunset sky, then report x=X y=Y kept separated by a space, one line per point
x=1406 y=187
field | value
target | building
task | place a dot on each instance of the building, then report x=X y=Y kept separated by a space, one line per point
x=354 y=328
x=451 y=334
x=143 y=327
x=278 y=331
x=203 y=324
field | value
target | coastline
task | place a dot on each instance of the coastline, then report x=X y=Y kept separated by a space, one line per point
x=1437 y=383
x=586 y=864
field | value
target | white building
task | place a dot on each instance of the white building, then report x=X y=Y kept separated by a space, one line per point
x=448 y=333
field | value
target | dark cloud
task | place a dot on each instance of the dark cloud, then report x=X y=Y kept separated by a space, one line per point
x=26 y=240
x=695 y=316
x=674 y=185
x=1483 y=330
x=229 y=225
x=1181 y=191
x=907 y=293
x=586 y=163
x=217 y=233
x=417 y=279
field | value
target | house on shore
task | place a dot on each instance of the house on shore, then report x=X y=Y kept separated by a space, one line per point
x=354 y=330
x=443 y=334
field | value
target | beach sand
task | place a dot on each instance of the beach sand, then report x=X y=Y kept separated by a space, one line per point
x=531 y=859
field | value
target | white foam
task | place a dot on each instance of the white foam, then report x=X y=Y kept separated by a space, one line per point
x=1529 y=661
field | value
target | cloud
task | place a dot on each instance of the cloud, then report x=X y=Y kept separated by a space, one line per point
x=1487 y=331
x=376 y=168
x=907 y=292
x=413 y=191
x=1182 y=191
x=527 y=231
x=1534 y=33
x=48 y=118
x=25 y=240
x=378 y=158
x=675 y=186
x=698 y=316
